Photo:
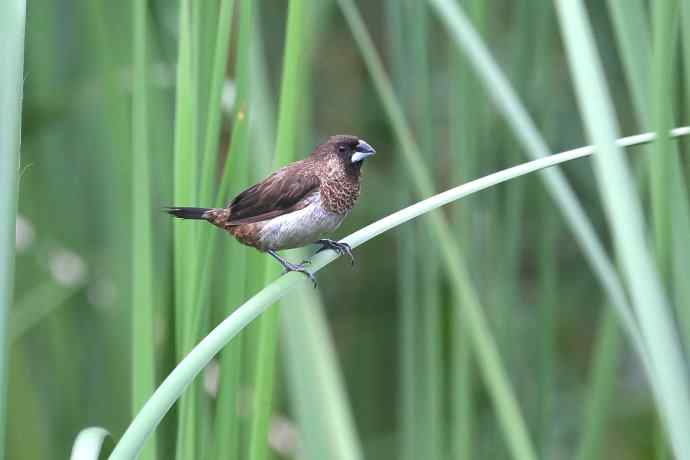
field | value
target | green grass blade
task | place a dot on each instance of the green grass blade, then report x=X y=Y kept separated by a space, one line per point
x=184 y=373
x=262 y=398
x=143 y=360
x=208 y=236
x=631 y=27
x=506 y=100
x=466 y=134
x=664 y=15
x=685 y=28
x=633 y=38
x=601 y=387
x=203 y=92
x=407 y=271
x=430 y=371
x=88 y=444
x=205 y=22
x=666 y=366
x=680 y=258
x=671 y=222
x=462 y=418
x=24 y=407
x=548 y=299
x=685 y=300
x=185 y=169
x=185 y=236
x=419 y=293
x=213 y=123
x=227 y=442
x=315 y=390
x=668 y=185
x=36 y=306
x=12 y=28
x=470 y=312
x=293 y=68
x=408 y=311
x=323 y=414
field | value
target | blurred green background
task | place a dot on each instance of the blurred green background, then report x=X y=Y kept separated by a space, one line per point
x=411 y=378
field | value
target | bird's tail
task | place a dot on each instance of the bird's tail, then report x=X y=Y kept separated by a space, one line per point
x=217 y=216
x=189 y=213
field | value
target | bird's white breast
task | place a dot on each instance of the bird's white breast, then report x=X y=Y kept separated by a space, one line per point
x=299 y=228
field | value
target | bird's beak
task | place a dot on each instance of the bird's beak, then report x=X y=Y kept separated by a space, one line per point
x=362 y=151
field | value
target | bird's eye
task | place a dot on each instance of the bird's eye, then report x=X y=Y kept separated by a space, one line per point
x=342 y=149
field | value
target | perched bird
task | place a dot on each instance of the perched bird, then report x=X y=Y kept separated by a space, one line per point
x=297 y=204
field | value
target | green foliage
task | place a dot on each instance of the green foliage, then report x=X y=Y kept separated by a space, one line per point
x=288 y=130
x=495 y=328
x=182 y=376
x=666 y=367
x=12 y=28
x=143 y=298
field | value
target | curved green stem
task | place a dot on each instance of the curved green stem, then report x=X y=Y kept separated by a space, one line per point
x=89 y=443
x=174 y=385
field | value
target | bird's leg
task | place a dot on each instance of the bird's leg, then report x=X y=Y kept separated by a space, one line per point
x=340 y=248
x=290 y=267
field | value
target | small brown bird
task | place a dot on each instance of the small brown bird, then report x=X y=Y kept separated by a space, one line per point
x=297 y=204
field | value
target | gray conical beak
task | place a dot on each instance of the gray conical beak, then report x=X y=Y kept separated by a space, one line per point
x=362 y=151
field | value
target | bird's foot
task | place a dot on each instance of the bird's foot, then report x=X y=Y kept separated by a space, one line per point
x=290 y=267
x=340 y=248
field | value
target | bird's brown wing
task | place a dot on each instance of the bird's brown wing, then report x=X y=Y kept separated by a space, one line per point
x=280 y=193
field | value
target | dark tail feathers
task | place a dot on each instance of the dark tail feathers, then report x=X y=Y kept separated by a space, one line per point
x=187 y=213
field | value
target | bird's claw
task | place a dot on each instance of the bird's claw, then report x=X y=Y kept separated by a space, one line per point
x=338 y=247
x=300 y=269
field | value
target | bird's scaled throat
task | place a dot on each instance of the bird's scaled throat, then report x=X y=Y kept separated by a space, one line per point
x=354 y=169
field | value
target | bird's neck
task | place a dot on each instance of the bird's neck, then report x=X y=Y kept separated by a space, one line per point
x=340 y=187
x=337 y=171
x=354 y=169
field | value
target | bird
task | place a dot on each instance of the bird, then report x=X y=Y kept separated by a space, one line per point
x=296 y=205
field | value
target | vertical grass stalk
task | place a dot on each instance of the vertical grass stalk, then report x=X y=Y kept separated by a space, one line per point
x=685 y=28
x=664 y=16
x=685 y=38
x=601 y=387
x=631 y=28
x=407 y=288
x=315 y=388
x=262 y=401
x=503 y=95
x=236 y=173
x=185 y=194
x=321 y=404
x=213 y=123
x=640 y=64
x=12 y=27
x=666 y=363
x=429 y=369
x=466 y=135
x=471 y=312
x=419 y=299
x=142 y=307
x=185 y=170
x=549 y=300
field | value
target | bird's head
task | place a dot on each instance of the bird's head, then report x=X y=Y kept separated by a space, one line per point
x=350 y=150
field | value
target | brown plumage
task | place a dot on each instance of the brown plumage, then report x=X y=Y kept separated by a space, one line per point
x=297 y=204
